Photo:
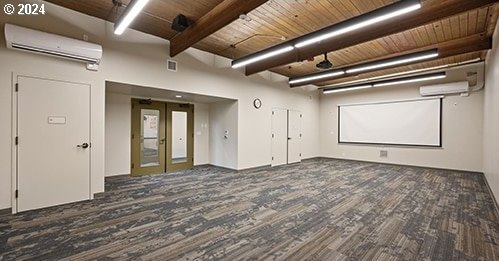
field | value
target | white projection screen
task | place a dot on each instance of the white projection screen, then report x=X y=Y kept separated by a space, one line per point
x=405 y=123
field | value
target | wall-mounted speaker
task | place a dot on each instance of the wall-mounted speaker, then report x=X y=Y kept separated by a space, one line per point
x=180 y=23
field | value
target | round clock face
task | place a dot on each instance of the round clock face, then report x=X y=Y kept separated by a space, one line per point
x=257 y=103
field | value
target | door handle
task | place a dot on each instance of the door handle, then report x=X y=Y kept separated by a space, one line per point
x=289 y=138
x=84 y=145
x=161 y=141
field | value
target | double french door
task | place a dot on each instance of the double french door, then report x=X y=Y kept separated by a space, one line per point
x=162 y=137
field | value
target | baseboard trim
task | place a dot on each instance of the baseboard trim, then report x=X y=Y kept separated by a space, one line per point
x=312 y=158
x=5 y=211
x=99 y=194
x=406 y=165
x=492 y=194
x=256 y=168
x=203 y=165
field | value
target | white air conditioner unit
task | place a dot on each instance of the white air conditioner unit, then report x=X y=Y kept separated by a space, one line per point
x=25 y=39
x=446 y=88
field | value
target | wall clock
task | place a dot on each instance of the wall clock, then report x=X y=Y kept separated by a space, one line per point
x=257 y=103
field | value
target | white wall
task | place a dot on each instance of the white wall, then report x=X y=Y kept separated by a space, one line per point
x=118 y=131
x=491 y=117
x=462 y=126
x=201 y=134
x=224 y=148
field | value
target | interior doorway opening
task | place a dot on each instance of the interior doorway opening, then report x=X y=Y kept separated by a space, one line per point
x=162 y=138
x=212 y=117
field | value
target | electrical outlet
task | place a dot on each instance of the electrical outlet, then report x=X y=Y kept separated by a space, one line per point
x=383 y=154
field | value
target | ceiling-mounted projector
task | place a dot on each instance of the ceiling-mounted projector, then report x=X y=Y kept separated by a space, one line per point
x=324 y=65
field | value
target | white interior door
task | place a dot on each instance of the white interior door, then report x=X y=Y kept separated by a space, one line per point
x=53 y=160
x=294 y=136
x=279 y=136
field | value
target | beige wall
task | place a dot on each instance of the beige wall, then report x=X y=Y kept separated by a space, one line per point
x=140 y=59
x=118 y=129
x=224 y=117
x=491 y=118
x=461 y=129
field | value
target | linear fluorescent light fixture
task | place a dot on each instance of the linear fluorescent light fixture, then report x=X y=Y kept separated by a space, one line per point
x=395 y=61
x=316 y=76
x=131 y=11
x=418 y=78
x=372 y=79
x=344 y=89
x=374 y=17
x=261 y=56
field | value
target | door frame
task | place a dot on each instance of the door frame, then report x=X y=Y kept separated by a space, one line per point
x=14 y=130
x=135 y=153
x=273 y=137
x=288 y=139
x=169 y=105
x=287 y=135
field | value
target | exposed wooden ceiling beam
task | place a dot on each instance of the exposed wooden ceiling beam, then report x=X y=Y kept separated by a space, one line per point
x=217 y=18
x=473 y=43
x=429 y=12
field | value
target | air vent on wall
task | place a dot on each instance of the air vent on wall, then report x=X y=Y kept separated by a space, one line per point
x=172 y=65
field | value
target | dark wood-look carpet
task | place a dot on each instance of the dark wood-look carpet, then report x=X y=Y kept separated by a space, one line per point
x=316 y=210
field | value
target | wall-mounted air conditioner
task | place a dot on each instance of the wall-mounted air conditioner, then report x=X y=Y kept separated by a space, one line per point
x=446 y=88
x=25 y=39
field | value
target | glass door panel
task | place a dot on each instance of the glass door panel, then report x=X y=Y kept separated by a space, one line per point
x=180 y=133
x=149 y=145
x=179 y=137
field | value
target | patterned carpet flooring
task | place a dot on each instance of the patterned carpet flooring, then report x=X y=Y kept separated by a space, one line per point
x=317 y=210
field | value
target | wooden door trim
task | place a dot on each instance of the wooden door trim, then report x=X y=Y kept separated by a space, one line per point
x=135 y=169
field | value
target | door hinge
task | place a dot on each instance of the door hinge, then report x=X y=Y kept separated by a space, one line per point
x=272 y=135
x=133 y=136
x=272 y=112
x=17 y=87
x=17 y=193
x=300 y=154
x=133 y=166
x=301 y=115
x=272 y=158
x=17 y=140
x=300 y=135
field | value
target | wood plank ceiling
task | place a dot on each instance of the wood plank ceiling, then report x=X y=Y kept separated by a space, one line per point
x=279 y=20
